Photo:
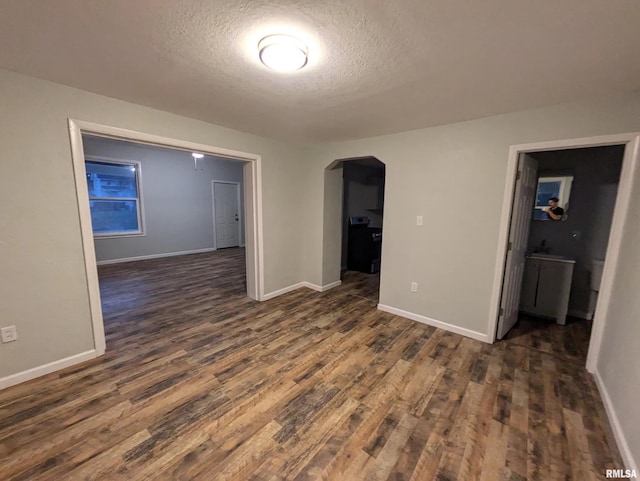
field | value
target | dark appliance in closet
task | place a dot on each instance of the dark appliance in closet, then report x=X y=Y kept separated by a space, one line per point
x=364 y=246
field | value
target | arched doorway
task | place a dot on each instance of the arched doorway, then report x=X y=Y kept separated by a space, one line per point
x=354 y=212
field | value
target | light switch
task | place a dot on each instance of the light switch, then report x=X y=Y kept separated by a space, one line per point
x=419 y=220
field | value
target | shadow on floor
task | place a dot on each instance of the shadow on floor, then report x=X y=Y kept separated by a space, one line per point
x=362 y=285
x=570 y=342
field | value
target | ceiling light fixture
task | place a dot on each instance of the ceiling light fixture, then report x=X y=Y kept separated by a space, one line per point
x=283 y=53
x=195 y=159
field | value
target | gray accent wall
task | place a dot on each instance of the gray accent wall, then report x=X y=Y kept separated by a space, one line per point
x=596 y=172
x=177 y=198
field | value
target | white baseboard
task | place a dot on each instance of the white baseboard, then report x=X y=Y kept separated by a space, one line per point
x=282 y=291
x=479 y=336
x=48 y=368
x=324 y=288
x=616 y=426
x=580 y=314
x=155 y=256
x=293 y=287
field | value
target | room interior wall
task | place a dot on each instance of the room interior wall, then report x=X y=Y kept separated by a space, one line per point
x=333 y=195
x=589 y=214
x=177 y=198
x=619 y=364
x=43 y=287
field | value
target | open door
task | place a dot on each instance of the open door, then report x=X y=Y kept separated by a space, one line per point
x=521 y=214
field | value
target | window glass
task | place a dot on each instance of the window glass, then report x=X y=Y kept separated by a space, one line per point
x=111 y=180
x=114 y=216
x=546 y=190
x=114 y=198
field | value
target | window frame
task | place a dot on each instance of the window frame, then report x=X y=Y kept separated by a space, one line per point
x=141 y=232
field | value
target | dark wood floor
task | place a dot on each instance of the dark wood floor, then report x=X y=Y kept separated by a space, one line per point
x=361 y=284
x=569 y=342
x=201 y=383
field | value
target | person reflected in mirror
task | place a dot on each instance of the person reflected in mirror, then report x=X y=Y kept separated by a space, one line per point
x=554 y=211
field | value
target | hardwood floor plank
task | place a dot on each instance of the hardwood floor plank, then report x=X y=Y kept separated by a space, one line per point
x=327 y=453
x=244 y=460
x=494 y=466
x=352 y=448
x=578 y=447
x=429 y=460
x=380 y=467
x=298 y=451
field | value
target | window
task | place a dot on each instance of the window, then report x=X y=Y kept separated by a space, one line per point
x=114 y=197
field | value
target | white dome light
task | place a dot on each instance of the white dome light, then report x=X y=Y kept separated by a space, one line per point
x=197 y=156
x=283 y=53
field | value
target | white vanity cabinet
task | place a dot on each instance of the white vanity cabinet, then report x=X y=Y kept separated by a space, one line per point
x=546 y=284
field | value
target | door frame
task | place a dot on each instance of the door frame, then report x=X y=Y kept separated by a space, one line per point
x=252 y=173
x=631 y=141
x=213 y=204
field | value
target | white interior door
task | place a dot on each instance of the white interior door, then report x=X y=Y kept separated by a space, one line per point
x=226 y=212
x=521 y=215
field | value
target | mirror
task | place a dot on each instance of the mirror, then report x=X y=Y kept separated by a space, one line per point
x=552 y=198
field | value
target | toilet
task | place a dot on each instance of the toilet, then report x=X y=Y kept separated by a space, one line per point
x=596 y=279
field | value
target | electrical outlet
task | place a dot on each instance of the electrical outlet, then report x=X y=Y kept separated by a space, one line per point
x=419 y=220
x=414 y=287
x=9 y=334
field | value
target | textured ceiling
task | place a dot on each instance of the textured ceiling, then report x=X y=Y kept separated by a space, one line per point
x=375 y=66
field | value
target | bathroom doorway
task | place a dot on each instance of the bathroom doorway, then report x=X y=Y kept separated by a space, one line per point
x=590 y=201
x=566 y=248
x=567 y=236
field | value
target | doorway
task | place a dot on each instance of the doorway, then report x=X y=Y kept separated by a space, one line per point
x=227 y=214
x=363 y=182
x=153 y=213
x=252 y=205
x=523 y=197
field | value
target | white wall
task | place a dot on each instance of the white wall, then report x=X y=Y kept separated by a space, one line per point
x=177 y=199
x=43 y=286
x=619 y=362
x=590 y=212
